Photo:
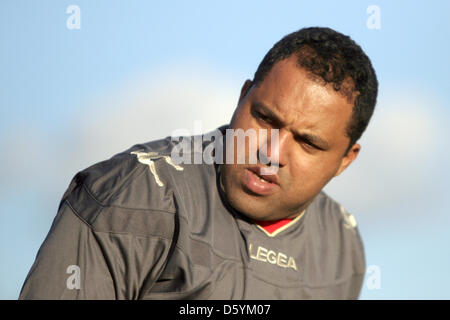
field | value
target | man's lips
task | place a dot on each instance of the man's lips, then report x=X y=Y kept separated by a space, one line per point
x=259 y=184
x=272 y=178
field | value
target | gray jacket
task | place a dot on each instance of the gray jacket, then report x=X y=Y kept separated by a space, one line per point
x=138 y=226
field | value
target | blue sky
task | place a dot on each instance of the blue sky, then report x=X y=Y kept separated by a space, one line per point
x=70 y=98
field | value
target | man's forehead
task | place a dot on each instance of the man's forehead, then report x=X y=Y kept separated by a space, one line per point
x=289 y=78
x=295 y=95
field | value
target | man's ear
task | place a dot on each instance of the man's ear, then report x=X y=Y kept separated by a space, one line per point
x=348 y=158
x=245 y=89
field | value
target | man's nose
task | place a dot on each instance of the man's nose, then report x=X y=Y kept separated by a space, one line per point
x=272 y=148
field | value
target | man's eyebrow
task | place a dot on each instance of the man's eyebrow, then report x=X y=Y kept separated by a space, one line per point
x=305 y=136
x=267 y=112
x=313 y=138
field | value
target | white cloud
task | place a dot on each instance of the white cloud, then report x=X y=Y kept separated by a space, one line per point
x=149 y=106
x=152 y=107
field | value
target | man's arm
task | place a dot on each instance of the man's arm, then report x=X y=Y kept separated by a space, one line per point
x=109 y=240
x=70 y=263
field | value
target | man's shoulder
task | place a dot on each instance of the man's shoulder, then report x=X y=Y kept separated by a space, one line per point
x=334 y=227
x=331 y=213
x=144 y=178
x=132 y=181
x=335 y=231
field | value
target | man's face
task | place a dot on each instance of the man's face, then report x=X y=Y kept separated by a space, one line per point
x=312 y=121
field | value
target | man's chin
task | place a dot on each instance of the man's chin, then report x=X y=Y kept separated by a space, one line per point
x=250 y=204
x=258 y=216
x=255 y=207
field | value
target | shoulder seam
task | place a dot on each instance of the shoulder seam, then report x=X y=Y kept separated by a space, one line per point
x=125 y=183
x=112 y=232
x=77 y=214
x=121 y=207
x=91 y=195
x=117 y=189
x=103 y=206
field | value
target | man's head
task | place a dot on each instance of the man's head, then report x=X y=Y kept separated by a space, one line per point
x=318 y=88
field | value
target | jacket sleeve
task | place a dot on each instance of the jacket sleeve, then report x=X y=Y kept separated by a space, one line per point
x=99 y=250
x=70 y=263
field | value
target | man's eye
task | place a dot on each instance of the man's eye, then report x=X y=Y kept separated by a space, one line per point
x=310 y=145
x=307 y=144
x=263 y=117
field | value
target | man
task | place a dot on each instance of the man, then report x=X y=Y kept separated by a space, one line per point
x=143 y=226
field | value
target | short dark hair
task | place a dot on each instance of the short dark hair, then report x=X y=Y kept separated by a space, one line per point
x=334 y=58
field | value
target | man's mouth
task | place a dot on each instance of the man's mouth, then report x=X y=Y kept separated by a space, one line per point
x=260 y=184
x=259 y=172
